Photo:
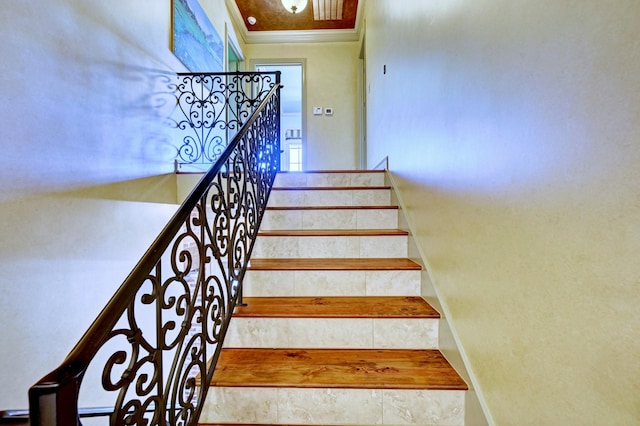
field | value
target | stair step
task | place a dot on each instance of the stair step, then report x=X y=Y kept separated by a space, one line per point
x=308 y=406
x=367 y=322
x=332 y=277
x=298 y=208
x=328 y=217
x=332 y=406
x=319 y=189
x=332 y=232
x=320 y=264
x=330 y=178
x=329 y=196
x=336 y=368
x=336 y=307
x=331 y=244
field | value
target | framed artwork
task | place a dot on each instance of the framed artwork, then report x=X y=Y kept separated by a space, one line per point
x=195 y=41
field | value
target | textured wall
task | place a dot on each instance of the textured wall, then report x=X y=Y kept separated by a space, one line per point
x=513 y=130
x=331 y=81
x=81 y=137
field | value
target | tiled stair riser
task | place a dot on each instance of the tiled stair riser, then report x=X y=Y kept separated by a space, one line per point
x=334 y=406
x=329 y=197
x=349 y=333
x=330 y=219
x=331 y=283
x=273 y=247
x=329 y=179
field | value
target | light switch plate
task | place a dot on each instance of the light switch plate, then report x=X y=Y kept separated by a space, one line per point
x=317 y=110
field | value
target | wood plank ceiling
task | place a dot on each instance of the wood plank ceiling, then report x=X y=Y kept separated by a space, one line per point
x=321 y=20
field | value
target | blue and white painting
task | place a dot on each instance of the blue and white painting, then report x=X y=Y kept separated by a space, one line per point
x=195 y=41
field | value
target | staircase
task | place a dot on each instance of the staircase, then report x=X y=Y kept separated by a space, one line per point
x=334 y=330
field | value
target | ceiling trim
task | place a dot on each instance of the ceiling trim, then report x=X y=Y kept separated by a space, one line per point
x=310 y=36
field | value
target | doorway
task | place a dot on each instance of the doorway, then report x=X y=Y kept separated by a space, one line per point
x=362 y=108
x=235 y=60
x=234 y=63
x=292 y=110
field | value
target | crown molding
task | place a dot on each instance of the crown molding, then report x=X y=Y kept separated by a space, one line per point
x=310 y=36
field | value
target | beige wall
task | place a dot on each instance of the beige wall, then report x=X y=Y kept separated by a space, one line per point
x=83 y=155
x=331 y=78
x=513 y=129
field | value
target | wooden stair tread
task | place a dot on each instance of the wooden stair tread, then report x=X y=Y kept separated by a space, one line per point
x=343 y=264
x=332 y=233
x=331 y=171
x=336 y=368
x=295 y=208
x=327 y=188
x=337 y=307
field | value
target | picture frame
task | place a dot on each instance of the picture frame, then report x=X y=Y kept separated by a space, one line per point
x=195 y=41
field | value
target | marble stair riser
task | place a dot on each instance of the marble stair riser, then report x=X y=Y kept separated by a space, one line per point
x=383 y=246
x=329 y=197
x=347 y=333
x=330 y=219
x=322 y=406
x=331 y=283
x=329 y=179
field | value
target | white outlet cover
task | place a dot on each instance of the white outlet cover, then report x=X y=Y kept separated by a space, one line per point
x=328 y=111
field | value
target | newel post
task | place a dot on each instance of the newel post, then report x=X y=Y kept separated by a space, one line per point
x=54 y=404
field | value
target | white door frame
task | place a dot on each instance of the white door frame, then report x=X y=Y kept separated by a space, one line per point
x=292 y=61
x=362 y=106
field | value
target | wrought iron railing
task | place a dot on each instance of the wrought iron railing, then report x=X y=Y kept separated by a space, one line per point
x=162 y=331
x=214 y=107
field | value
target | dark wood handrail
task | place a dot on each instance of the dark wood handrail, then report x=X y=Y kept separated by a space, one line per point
x=53 y=400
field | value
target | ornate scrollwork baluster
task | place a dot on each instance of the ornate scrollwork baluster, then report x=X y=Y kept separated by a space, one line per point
x=156 y=342
x=212 y=106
